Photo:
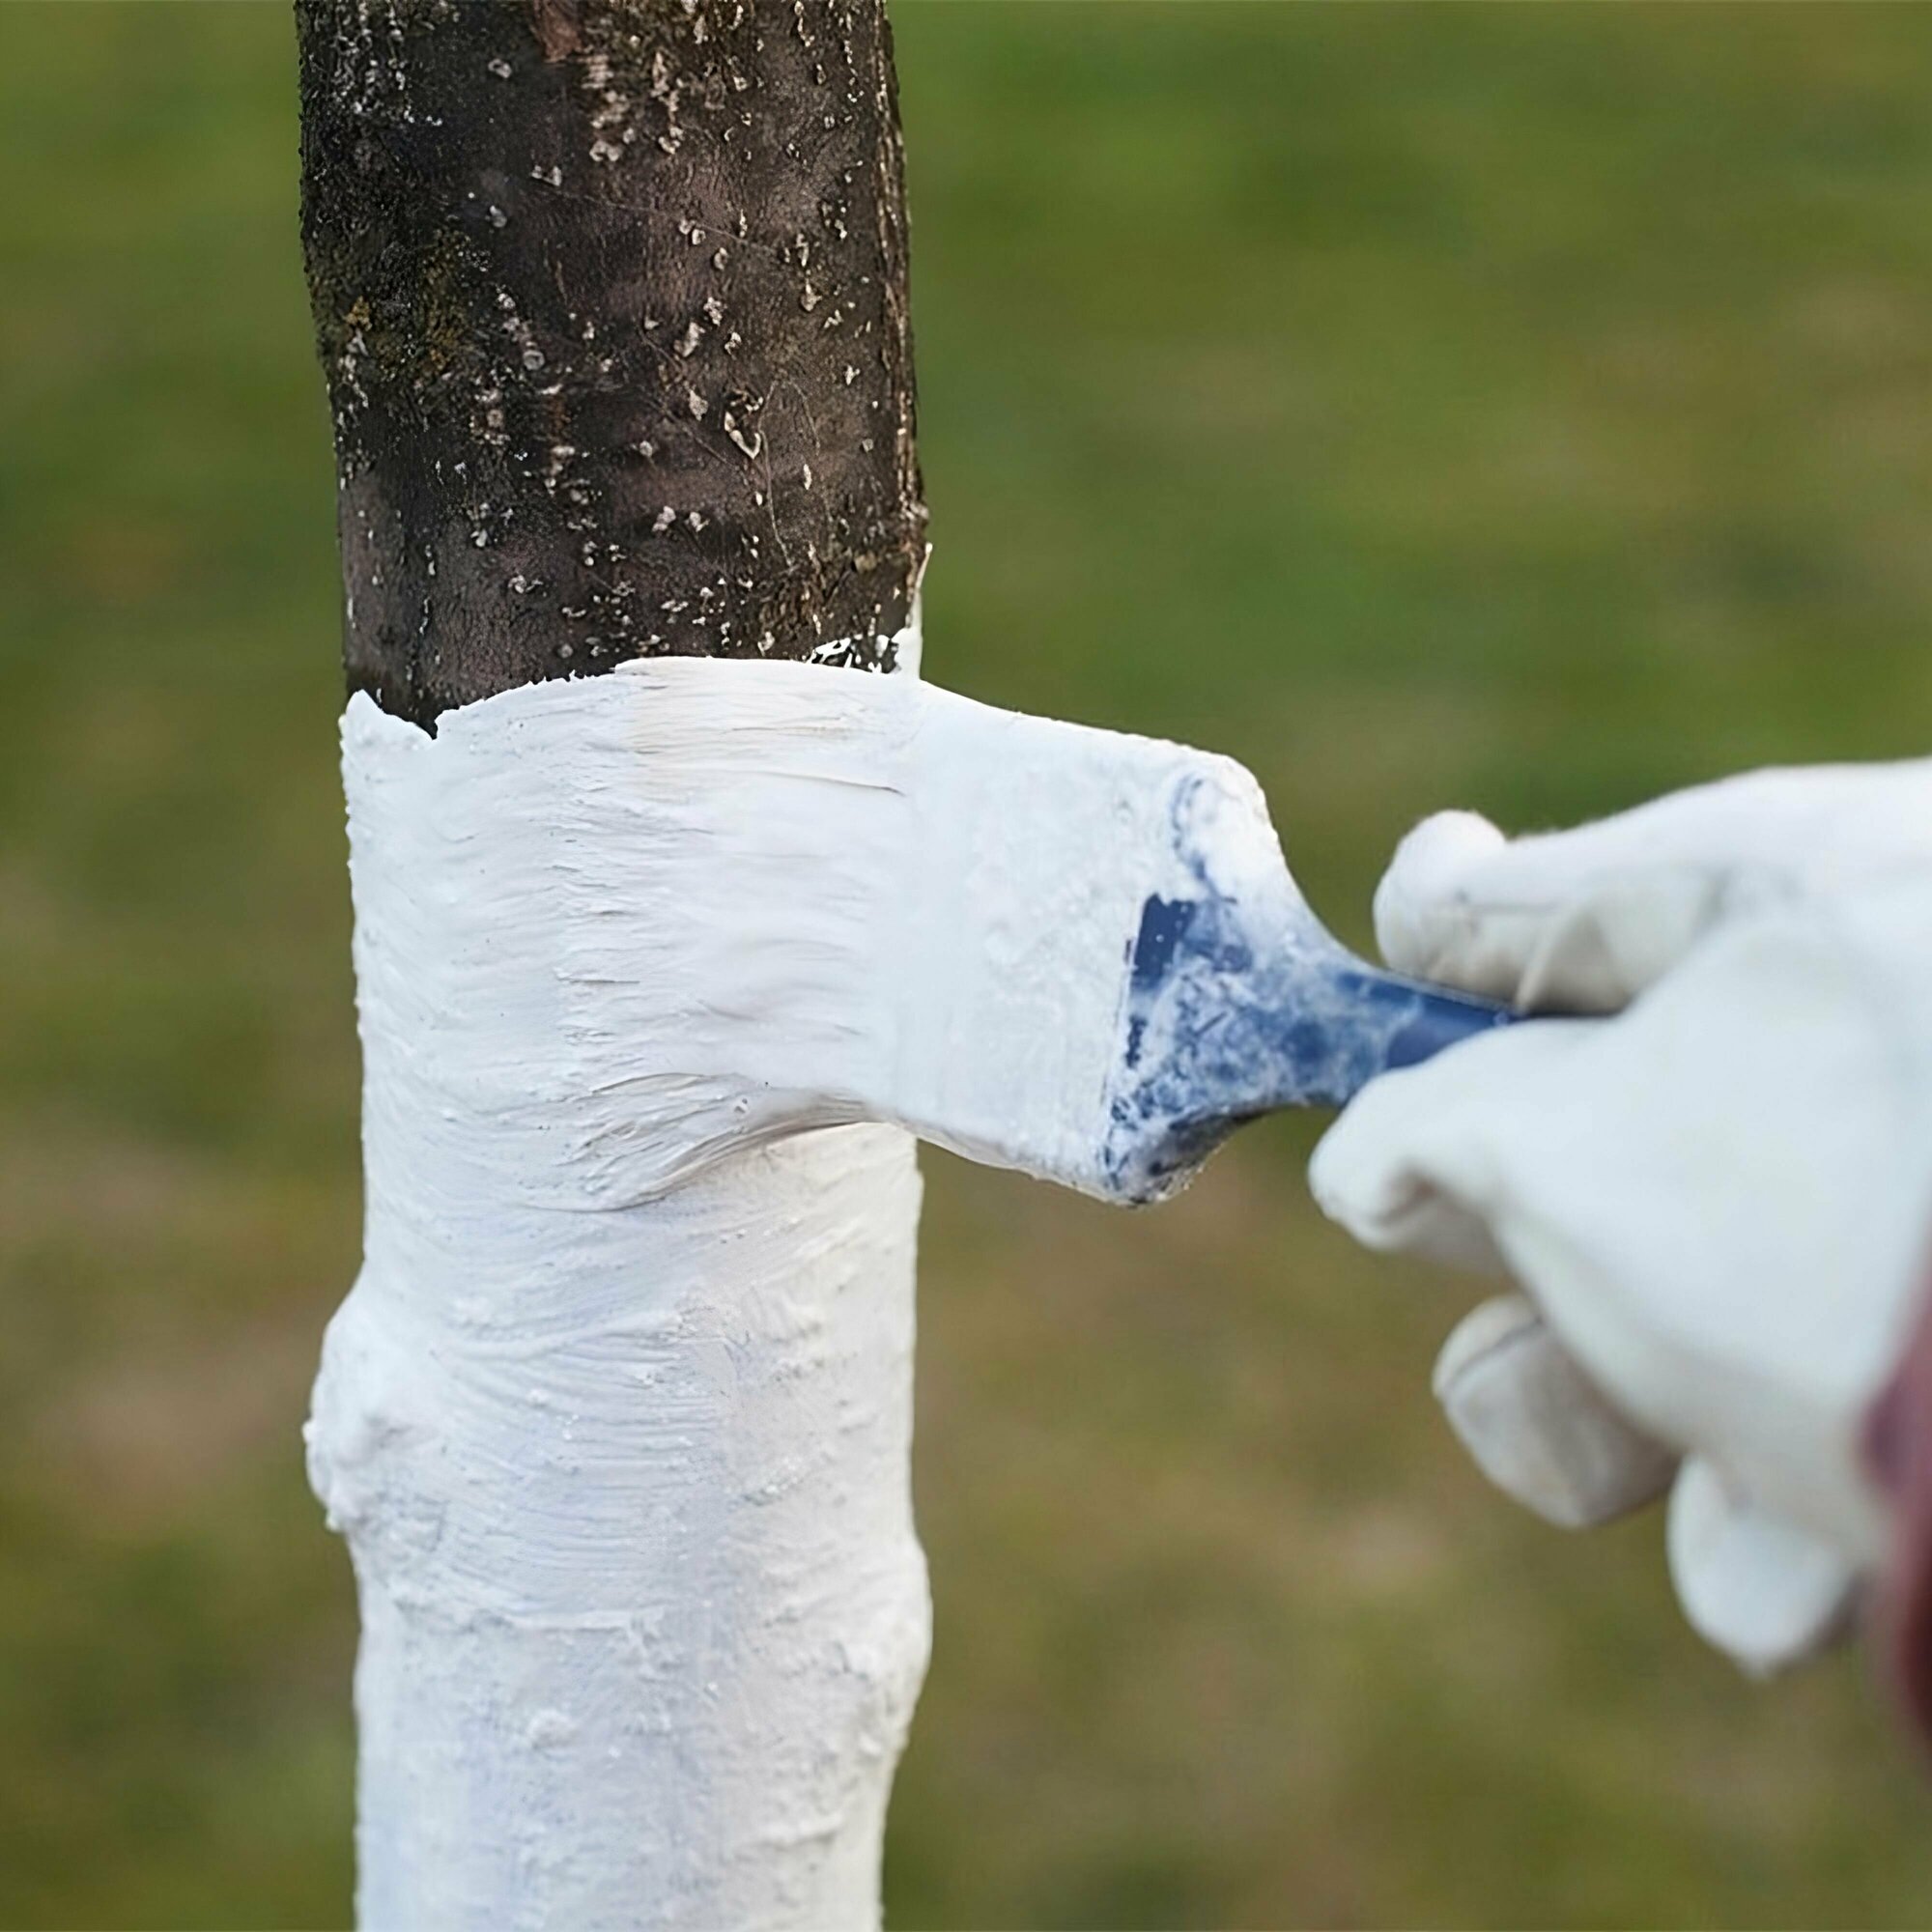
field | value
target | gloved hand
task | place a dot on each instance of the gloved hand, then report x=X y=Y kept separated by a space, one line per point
x=1719 y=1202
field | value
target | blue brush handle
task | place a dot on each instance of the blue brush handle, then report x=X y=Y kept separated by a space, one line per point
x=1407 y=1022
x=1220 y=1030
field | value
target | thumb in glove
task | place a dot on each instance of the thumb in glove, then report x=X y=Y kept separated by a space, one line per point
x=1582 y=921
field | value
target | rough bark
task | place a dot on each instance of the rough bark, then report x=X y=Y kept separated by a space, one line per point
x=610 y=297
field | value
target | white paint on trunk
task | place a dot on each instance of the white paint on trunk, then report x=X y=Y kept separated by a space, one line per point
x=624 y=1470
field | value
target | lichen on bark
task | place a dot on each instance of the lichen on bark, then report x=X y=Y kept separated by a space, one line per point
x=611 y=296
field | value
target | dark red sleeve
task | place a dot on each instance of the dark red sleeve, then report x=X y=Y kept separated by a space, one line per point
x=1898 y=1453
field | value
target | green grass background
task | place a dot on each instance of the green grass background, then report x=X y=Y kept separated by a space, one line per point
x=1528 y=407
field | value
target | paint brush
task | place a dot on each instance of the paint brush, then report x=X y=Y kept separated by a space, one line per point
x=1113 y=966
x=781 y=897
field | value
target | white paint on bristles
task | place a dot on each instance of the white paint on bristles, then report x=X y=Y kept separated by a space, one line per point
x=616 y=1419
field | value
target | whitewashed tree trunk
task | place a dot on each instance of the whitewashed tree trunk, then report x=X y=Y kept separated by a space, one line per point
x=610 y=297
x=644 y=1615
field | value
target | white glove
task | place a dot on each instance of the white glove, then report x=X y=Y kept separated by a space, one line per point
x=1719 y=1200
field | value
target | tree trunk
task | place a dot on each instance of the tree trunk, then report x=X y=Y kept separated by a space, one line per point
x=610 y=297
x=611 y=300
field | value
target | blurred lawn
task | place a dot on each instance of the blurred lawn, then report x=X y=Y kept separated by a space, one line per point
x=1520 y=407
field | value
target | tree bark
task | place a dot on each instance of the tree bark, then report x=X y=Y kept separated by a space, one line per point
x=611 y=295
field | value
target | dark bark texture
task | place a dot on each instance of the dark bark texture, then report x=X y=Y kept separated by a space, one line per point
x=611 y=295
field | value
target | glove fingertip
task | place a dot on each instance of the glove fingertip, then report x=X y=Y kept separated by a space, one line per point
x=1760 y=1589
x=1363 y=1172
x=1537 y=1427
x=1415 y=913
